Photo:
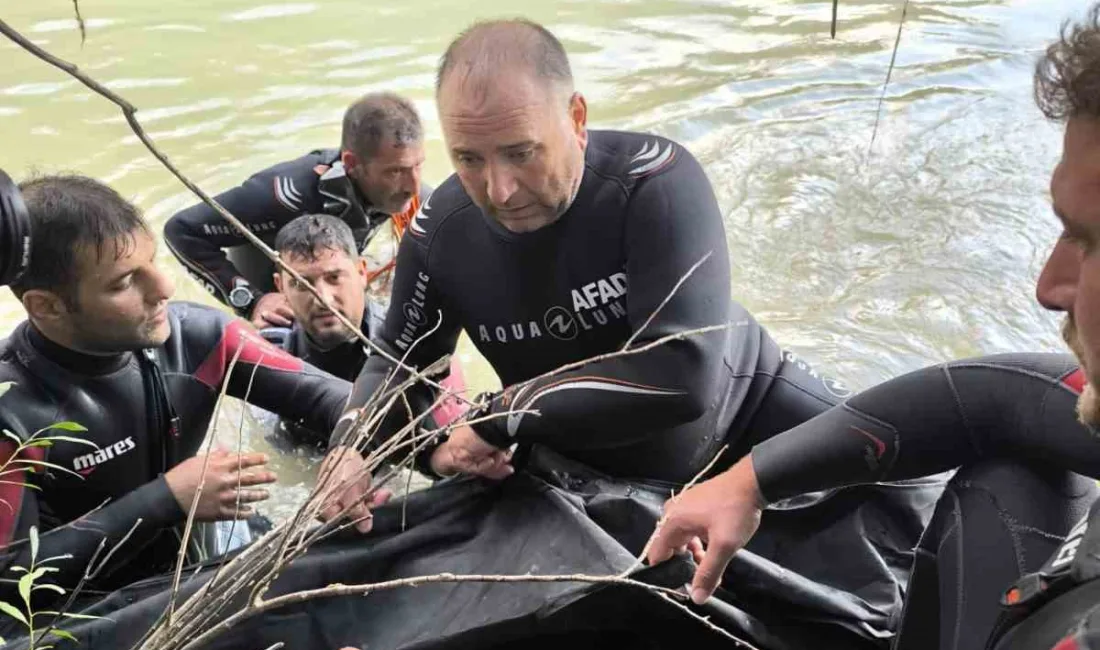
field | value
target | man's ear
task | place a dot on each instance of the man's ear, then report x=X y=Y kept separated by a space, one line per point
x=361 y=267
x=578 y=116
x=44 y=306
x=278 y=275
x=350 y=160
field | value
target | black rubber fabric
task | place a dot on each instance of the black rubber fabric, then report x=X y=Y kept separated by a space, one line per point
x=552 y=517
x=995 y=522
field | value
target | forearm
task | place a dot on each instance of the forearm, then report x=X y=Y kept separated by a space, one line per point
x=611 y=402
x=136 y=517
x=932 y=420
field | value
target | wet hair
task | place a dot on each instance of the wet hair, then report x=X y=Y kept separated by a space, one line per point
x=1067 y=76
x=489 y=46
x=376 y=116
x=308 y=235
x=69 y=212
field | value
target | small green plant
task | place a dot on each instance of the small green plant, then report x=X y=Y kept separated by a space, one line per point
x=33 y=577
x=30 y=582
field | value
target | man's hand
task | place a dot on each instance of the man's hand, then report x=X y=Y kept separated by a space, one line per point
x=724 y=512
x=227 y=484
x=352 y=495
x=465 y=452
x=272 y=310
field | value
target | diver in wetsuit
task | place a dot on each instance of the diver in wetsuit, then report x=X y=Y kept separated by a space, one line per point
x=371 y=180
x=1011 y=558
x=103 y=347
x=553 y=244
x=321 y=249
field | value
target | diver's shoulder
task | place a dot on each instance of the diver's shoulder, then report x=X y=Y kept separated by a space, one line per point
x=447 y=202
x=630 y=156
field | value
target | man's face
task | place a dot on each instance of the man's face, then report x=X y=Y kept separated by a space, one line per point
x=517 y=145
x=1070 y=281
x=121 y=300
x=391 y=177
x=342 y=280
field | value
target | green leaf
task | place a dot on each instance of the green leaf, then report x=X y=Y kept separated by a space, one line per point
x=32 y=466
x=13 y=612
x=25 y=588
x=67 y=556
x=68 y=426
x=34 y=544
x=18 y=569
x=14 y=437
x=79 y=441
x=62 y=634
x=48 y=586
x=4 y=387
x=39 y=443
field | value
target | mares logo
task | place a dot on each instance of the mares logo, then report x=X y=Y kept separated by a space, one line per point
x=413 y=311
x=86 y=464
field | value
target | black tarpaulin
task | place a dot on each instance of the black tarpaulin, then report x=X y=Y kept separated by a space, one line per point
x=822 y=573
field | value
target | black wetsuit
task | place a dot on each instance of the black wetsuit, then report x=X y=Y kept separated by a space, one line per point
x=644 y=214
x=1009 y=422
x=344 y=361
x=269 y=199
x=146 y=412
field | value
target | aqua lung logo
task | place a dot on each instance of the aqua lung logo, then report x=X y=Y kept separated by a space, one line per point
x=560 y=323
x=413 y=310
x=834 y=387
x=594 y=305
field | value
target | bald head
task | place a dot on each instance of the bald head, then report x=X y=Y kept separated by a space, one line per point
x=483 y=51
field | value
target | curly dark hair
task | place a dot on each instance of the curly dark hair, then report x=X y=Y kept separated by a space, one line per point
x=1067 y=77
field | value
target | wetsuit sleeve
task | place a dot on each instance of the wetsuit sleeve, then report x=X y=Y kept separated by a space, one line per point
x=418 y=329
x=264 y=375
x=936 y=419
x=152 y=504
x=673 y=221
x=265 y=202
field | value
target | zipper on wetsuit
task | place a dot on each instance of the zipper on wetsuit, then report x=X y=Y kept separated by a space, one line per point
x=162 y=416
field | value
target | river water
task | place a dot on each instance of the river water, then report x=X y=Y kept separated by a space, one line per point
x=868 y=261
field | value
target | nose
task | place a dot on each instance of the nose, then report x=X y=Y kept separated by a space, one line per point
x=163 y=287
x=501 y=184
x=325 y=292
x=1057 y=286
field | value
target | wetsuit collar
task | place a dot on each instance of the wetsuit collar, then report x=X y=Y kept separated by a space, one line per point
x=73 y=361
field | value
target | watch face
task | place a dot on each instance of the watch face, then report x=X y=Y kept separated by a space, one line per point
x=240 y=297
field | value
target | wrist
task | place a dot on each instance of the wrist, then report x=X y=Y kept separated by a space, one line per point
x=244 y=298
x=493 y=429
x=742 y=480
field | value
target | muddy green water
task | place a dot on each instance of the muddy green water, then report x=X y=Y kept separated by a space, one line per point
x=866 y=261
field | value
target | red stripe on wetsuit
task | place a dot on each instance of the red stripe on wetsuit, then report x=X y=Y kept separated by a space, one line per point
x=254 y=350
x=1076 y=380
x=12 y=488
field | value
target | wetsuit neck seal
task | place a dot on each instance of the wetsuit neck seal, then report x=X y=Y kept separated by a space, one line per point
x=15 y=232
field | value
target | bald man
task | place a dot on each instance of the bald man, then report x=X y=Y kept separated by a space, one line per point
x=552 y=244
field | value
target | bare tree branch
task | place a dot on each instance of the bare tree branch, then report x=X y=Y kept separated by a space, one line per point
x=80 y=23
x=664 y=302
x=364 y=589
x=832 y=28
x=889 y=73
